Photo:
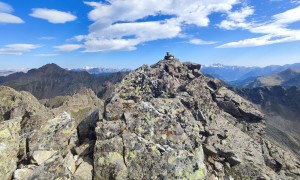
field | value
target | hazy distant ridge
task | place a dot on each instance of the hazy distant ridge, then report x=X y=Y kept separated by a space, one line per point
x=235 y=75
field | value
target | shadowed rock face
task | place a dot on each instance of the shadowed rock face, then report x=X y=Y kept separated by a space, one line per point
x=162 y=118
x=281 y=106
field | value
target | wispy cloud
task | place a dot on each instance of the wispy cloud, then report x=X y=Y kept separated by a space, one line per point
x=68 y=47
x=274 y=31
x=296 y=1
x=6 y=7
x=18 y=49
x=237 y=19
x=47 y=38
x=52 y=15
x=46 y=55
x=6 y=16
x=201 y=42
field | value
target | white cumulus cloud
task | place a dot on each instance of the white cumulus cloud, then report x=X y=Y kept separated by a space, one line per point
x=6 y=16
x=123 y=25
x=67 y=47
x=52 y=15
x=112 y=37
x=18 y=49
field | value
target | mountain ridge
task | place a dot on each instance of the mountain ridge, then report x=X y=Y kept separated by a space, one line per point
x=51 y=80
x=237 y=74
x=164 y=121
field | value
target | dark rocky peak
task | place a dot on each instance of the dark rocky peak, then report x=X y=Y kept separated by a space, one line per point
x=51 y=80
x=51 y=66
x=48 y=69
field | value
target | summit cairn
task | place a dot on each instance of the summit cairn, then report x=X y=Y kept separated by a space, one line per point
x=169 y=56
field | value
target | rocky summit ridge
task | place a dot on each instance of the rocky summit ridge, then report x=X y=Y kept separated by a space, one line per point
x=169 y=121
x=165 y=121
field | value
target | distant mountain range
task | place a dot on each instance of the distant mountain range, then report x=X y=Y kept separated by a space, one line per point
x=51 y=80
x=286 y=78
x=239 y=75
x=99 y=71
x=95 y=71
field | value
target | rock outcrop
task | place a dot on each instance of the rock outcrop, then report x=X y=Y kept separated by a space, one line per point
x=169 y=121
x=14 y=104
x=146 y=134
x=58 y=144
x=84 y=107
x=53 y=152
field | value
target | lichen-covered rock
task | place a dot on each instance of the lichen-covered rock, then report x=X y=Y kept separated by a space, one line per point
x=58 y=134
x=23 y=105
x=84 y=107
x=56 y=151
x=53 y=168
x=84 y=171
x=70 y=162
x=148 y=133
x=14 y=104
x=24 y=173
x=9 y=146
x=42 y=143
x=161 y=118
x=41 y=156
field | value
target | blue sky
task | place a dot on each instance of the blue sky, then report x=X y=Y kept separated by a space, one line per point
x=127 y=34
